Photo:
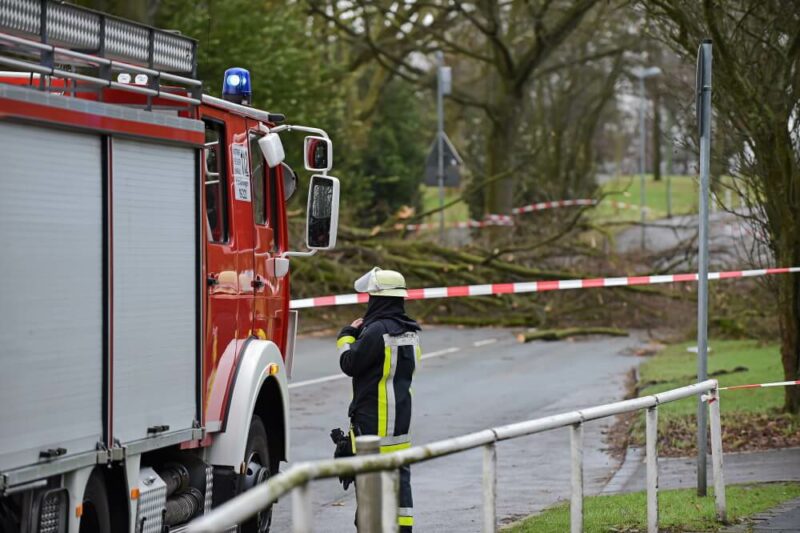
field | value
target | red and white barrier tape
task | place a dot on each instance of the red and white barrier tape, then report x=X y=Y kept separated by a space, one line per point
x=508 y=220
x=536 y=286
x=490 y=220
x=762 y=385
x=551 y=205
x=571 y=203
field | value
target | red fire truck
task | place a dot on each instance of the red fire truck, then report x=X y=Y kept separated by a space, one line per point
x=145 y=331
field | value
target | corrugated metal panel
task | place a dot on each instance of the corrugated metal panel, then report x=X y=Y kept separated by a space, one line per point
x=154 y=287
x=50 y=292
x=152 y=502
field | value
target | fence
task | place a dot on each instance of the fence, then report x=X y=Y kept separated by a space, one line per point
x=377 y=475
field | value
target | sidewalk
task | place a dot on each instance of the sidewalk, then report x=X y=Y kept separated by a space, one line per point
x=746 y=467
x=681 y=472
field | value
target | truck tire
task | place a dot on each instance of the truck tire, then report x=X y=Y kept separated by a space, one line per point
x=96 y=517
x=258 y=470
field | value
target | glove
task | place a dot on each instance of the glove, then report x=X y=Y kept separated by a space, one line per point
x=343 y=448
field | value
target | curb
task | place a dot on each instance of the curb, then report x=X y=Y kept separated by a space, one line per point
x=760 y=521
x=634 y=456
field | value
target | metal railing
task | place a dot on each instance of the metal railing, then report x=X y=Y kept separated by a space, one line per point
x=377 y=475
x=153 y=89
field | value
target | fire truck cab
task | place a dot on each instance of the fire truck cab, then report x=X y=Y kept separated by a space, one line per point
x=146 y=337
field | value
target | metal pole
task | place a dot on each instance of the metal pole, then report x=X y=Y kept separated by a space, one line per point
x=440 y=141
x=301 y=509
x=668 y=116
x=716 y=456
x=704 y=84
x=642 y=141
x=651 y=444
x=576 y=504
x=369 y=492
x=390 y=485
x=489 y=488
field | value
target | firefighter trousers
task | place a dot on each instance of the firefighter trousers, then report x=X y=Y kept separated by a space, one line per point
x=405 y=503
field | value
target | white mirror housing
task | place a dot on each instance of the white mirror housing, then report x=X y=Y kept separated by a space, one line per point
x=277 y=267
x=272 y=148
x=317 y=153
x=322 y=214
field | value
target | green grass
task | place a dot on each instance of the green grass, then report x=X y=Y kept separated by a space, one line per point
x=627 y=189
x=751 y=418
x=675 y=367
x=430 y=200
x=621 y=189
x=679 y=510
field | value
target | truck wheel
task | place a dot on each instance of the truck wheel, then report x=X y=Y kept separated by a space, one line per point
x=96 y=517
x=256 y=458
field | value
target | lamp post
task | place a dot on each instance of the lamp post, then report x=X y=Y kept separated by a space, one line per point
x=643 y=73
x=443 y=88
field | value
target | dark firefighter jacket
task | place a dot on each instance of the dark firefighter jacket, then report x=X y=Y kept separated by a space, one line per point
x=381 y=358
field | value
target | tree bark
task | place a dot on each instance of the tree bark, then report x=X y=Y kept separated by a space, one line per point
x=500 y=194
x=789 y=319
x=781 y=203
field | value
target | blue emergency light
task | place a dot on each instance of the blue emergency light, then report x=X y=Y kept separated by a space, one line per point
x=236 y=86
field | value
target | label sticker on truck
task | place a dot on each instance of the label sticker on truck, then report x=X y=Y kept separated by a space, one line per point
x=241 y=172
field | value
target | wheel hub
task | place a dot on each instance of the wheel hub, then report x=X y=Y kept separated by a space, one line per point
x=255 y=474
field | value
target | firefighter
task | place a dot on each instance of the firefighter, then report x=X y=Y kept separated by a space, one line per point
x=380 y=352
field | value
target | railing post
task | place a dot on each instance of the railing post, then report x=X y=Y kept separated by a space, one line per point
x=716 y=455
x=368 y=489
x=301 y=509
x=489 y=488
x=390 y=485
x=576 y=504
x=651 y=445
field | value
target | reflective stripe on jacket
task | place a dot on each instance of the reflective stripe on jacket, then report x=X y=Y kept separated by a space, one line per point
x=382 y=367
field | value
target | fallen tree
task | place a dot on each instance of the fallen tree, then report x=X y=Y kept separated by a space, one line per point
x=561 y=334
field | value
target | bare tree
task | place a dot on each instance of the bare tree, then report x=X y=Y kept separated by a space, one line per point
x=757 y=100
x=509 y=43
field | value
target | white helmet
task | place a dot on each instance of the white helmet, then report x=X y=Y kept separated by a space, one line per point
x=379 y=282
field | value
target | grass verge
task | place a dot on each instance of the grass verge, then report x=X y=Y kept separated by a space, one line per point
x=627 y=189
x=751 y=418
x=679 y=510
x=430 y=200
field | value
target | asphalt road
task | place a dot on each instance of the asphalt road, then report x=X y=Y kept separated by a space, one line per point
x=469 y=379
x=731 y=240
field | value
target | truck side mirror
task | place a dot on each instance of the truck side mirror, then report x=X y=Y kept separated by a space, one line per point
x=272 y=148
x=317 y=154
x=323 y=212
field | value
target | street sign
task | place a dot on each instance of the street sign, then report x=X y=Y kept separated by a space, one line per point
x=702 y=84
x=446 y=79
x=452 y=162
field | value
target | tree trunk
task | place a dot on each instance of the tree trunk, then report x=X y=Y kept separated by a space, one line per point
x=789 y=318
x=500 y=194
x=781 y=201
